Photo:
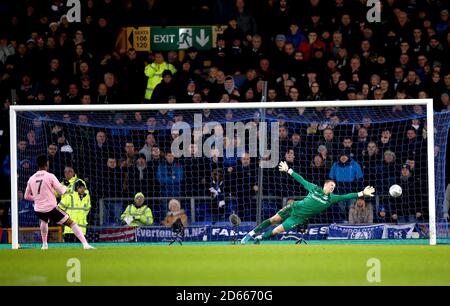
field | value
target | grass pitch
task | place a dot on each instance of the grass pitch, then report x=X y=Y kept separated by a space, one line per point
x=233 y=265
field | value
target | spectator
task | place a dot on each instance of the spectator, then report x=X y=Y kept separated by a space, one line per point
x=348 y=175
x=233 y=31
x=138 y=177
x=410 y=193
x=113 y=90
x=219 y=55
x=361 y=213
x=286 y=187
x=317 y=170
x=170 y=175
x=327 y=158
x=86 y=87
x=57 y=160
x=186 y=96
x=6 y=48
x=230 y=160
x=22 y=151
x=130 y=157
x=382 y=215
x=314 y=93
x=255 y=52
x=137 y=214
x=150 y=142
x=246 y=173
x=175 y=213
x=102 y=95
x=295 y=35
x=361 y=141
x=296 y=144
x=109 y=183
x=165 y=89
x=346 y=170
x=294 y=94
x=445 y=102
x=371 y=159
x=63 y=143
x=70 y=178
x=347 y=145
x=385 y=141
x=217 y=188
x=98 y=154
x=195 y=60
x=313 y=43
x=412 y=145
x=387 y=169
x=329 y=142
x=133 y=80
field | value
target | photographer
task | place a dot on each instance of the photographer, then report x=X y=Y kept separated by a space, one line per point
x=175 y=213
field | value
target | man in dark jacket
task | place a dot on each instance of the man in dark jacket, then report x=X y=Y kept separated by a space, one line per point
x=197 y=173
x=242 y=181
x=165 y=89
x=386 y=169
x=139 y=177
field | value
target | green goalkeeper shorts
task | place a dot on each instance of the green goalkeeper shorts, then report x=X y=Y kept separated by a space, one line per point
x=285 y=212
x=289 y=220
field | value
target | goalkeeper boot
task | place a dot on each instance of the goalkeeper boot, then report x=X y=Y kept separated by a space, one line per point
x=246 y=239
x=44 y=247
x=88 y=247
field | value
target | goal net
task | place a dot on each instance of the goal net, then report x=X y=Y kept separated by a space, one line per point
x=220 y=159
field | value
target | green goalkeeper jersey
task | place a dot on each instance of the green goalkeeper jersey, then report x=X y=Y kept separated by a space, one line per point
x=316 y=201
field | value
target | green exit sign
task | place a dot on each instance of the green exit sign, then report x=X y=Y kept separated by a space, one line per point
x=181 y=38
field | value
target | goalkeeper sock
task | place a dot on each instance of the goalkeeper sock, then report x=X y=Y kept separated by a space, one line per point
x=266 y=223
x=77 y=231
x=267 y=234
x=44 y=232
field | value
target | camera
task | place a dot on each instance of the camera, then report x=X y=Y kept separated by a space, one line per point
x=178 y=230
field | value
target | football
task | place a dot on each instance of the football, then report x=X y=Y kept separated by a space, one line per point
x=395 y=191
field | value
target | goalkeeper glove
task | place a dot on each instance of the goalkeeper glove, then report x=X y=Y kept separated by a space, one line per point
x=283 y=167
x=367 y=192
x=66 y=182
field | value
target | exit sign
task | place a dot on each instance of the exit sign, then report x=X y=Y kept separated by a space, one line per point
x=181 y=38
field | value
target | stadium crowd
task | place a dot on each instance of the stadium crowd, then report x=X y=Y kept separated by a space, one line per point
x=310 y=50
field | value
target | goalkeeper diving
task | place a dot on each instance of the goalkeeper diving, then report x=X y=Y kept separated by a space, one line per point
x=317 y=200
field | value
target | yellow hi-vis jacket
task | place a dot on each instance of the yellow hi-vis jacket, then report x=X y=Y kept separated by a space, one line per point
x=77 y=208
x=70 y=187
x=154 y=73
x=141 y=216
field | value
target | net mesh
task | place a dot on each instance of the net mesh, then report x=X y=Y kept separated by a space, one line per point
x=119 y=154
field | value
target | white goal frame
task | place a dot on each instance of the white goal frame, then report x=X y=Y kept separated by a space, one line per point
x=14 y=109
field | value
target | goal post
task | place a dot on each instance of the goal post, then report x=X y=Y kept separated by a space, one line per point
x=15 y=110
